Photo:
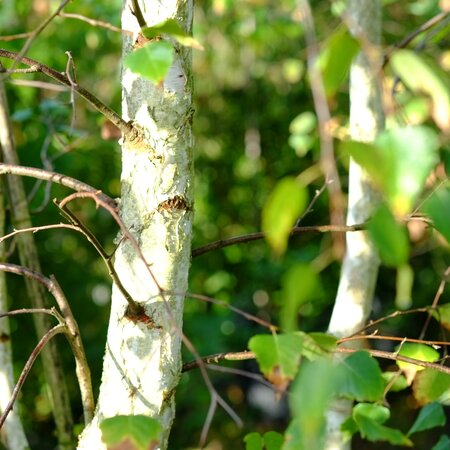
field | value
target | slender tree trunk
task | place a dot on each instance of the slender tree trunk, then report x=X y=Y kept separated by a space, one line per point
x=28 y=255
x=142 y=360
x=12 y=435
x=360 y=267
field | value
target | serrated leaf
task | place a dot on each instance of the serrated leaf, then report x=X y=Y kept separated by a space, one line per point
x=173 y=29
x=361 y=378
x=335 y=59
x=432 y=385
x=421 y=74
x=430 y=416
x=141 y=432
x=284 y=206
x=152 y=61
x=370 y=427
x=442 y=444
x=278 y=356
x=398 y=162
x=438 y=208
x=390 y=237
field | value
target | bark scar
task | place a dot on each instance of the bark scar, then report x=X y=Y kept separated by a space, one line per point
x=177 y=202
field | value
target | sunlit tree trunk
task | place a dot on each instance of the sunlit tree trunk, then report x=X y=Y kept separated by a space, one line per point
x=360 y=267
x=142 y=360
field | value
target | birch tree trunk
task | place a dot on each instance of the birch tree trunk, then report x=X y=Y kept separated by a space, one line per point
x=142 y=360
x=360 y=267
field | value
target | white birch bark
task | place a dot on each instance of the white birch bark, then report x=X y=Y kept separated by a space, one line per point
x=360 y=266
x=142 y=362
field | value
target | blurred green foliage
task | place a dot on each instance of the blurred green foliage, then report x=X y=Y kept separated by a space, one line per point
x=250 y=88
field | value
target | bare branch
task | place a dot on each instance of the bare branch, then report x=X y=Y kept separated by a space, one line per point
x=95 y=23
x=70 y=329
x=438 y=18
x=58 y=329
x=54 y=177
x=129 y=132
x=228 y=356
x=248 y=316
x=328 y=161
x=260 y=235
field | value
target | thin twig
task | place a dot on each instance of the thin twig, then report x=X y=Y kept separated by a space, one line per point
x=70 y=330
x=99 y=248
x=260 y=235
x=130 y=133
x=376 y=322
x=39 y=85
x=395 y=357
x=54 y=177
x=52 y=312
x=37 y=229
x=228 y=356
x=436 y=299
x=95 y=23
x=421 y=29
x=58 y=329
x=245 y=314
x=328 y=161
x=392 y=338
x=35 y=33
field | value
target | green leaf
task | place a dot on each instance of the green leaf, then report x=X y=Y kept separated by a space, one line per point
x=399 y=162
x=152 y=61
x=173 y=29
x=304 y=123
x=293 y=296
x=432 y=385
x=317 y=345
x=404 y=285
x=378 y=413
x=349 y=428
x=430 y=416
x=438 y=208
x=253 y=441
x=421 y=74
x=442 y=444
x=134 y=432
x=293 y=440
x=390 y=237
x=408 y=155
x=421 y=352
x=336 y=58
x=311 y=394
x=278 y=356
x=400 y=382
x=326 y=342
x=273 y=440
x=284 y=206
x=361 y=377
x=370 y=418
